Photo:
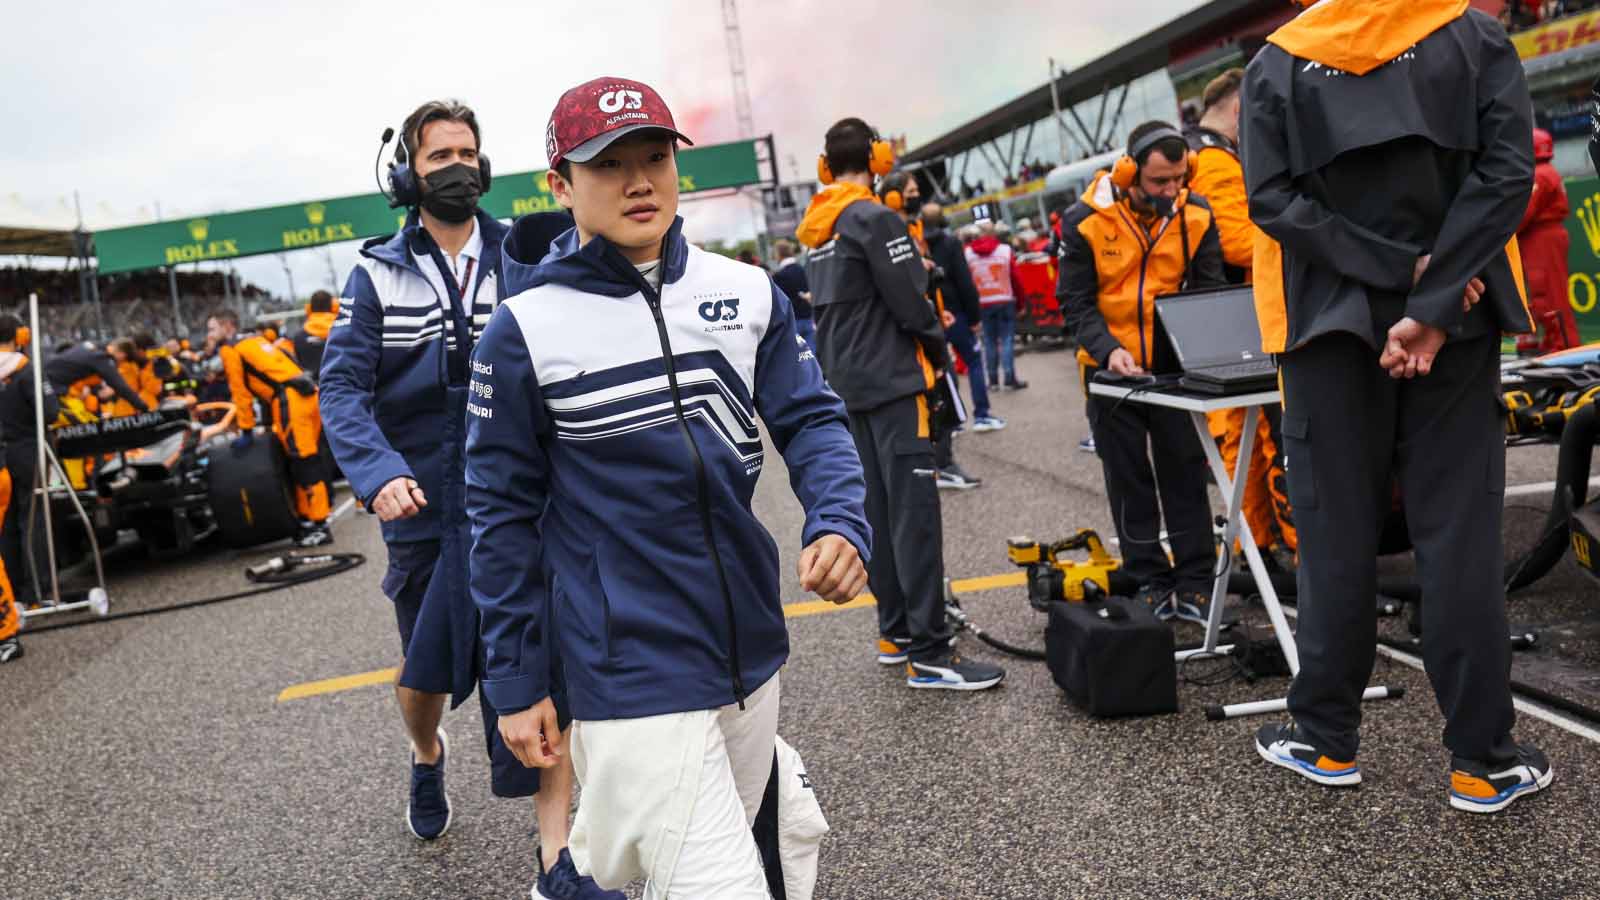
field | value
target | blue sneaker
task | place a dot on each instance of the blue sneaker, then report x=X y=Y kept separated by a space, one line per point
x=1479 y=788
x=428 y=814
x=1281 y=745
x=1087 y=444
x=563 y=882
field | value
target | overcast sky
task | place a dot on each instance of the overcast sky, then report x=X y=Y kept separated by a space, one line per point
x=211 y=107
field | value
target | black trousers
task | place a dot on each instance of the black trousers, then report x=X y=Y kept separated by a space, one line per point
x=21 y=457
x=1349 y=430
x=906 y=572
x=1128 y=438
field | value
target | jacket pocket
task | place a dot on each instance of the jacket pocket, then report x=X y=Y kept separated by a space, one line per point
x=1299 y=469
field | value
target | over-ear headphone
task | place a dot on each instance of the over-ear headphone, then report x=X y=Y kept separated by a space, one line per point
x=1126 y=170
x=880 y=161
x=894 y=198
x=404 y=189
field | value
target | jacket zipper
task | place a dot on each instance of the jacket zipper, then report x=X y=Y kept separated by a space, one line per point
x=1144 y=263
x=701 y=480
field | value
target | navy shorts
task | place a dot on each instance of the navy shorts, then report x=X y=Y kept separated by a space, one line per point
x=427 y=658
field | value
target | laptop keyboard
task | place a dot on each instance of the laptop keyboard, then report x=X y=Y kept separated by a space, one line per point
x=1257 y=369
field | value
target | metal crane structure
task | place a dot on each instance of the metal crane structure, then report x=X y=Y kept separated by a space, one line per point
x=741 y=88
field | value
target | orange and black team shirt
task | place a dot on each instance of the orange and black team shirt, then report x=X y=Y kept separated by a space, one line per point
x=1219 y=177
x=256 y=368
x=1115 y=263
x=1375 y=132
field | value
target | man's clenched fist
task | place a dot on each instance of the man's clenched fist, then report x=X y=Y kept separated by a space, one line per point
x=832 y=569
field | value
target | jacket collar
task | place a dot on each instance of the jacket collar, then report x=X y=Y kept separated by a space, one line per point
x=597 y=267
x=396 y=248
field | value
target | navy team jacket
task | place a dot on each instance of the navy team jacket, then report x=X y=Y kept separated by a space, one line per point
x=578 y=454
x=386 y=372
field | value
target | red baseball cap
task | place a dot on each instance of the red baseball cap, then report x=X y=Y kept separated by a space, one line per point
x=590 y=116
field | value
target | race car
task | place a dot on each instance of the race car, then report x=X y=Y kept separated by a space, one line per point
x=1551 y=400
x=173 y=477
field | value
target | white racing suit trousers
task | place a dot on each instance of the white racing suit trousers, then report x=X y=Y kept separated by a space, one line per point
x=671 y=799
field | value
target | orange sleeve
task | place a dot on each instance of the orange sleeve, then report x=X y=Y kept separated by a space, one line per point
x=243 y=400
x=1219 y=178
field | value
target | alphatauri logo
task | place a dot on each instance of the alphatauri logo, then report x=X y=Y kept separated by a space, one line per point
x=614 y=101
x=726 y=310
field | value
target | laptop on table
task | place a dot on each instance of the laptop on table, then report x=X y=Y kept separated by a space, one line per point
x=1217 y=342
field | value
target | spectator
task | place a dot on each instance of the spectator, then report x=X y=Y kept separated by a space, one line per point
x=993 y=267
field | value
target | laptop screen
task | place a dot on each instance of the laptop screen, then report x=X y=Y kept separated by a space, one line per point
x=1212 y=328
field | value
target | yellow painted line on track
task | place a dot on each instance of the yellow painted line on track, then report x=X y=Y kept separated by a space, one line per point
x=335 y=685
x=790 y=611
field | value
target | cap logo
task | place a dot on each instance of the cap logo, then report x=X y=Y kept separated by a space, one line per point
x=550 y=143
x=612 y=101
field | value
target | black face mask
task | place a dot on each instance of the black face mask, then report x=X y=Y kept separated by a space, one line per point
x=451 y=193
x=1163 y=206
x=910 y=205
x=933 y=223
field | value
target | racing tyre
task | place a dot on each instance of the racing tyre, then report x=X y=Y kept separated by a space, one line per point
x=249 y=492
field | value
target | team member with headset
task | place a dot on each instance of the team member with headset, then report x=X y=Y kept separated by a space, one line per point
x=612 y=433
x=394 y=394
x=1388 y=237
x=1219 y=178
x=1138 y=233
x=881 y=345
x=900 y=192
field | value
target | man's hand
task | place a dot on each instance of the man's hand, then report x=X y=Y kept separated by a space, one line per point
x=1410 y=348
x=1121 y=362
x=1472 y=295
x=399 y=499
x=947 y=318
x=832 y=569
x=533 y=735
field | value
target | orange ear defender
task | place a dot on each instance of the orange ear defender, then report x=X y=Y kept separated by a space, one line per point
x=894 y=201
x=824 y=174
x=1126 y=170
x=880 y=161
x=24 y=336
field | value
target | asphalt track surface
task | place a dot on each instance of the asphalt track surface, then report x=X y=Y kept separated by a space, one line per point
x=153 y=757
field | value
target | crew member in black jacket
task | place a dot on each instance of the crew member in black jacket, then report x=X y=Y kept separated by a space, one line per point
x=881 y=346
x=1387 y=149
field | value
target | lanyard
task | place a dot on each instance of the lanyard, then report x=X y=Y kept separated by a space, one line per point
x=461 y=284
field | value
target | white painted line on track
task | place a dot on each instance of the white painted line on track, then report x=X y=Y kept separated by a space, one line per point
x=1539 y=487
x=1527 y=707
x=344 y=508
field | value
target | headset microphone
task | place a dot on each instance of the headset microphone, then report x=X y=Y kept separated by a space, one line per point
x=388 y=135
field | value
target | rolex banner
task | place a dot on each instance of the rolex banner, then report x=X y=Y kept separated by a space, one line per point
x=298 y=225
x=1583 y=255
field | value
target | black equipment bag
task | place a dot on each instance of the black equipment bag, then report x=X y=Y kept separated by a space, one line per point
x=1112 y=658
x=249 y=492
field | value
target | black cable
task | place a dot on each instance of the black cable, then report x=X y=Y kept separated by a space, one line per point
x=1003 y=647
x=341 y=563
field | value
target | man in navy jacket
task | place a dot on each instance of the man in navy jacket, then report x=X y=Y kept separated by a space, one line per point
x=612 y=434
x=394 y=398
